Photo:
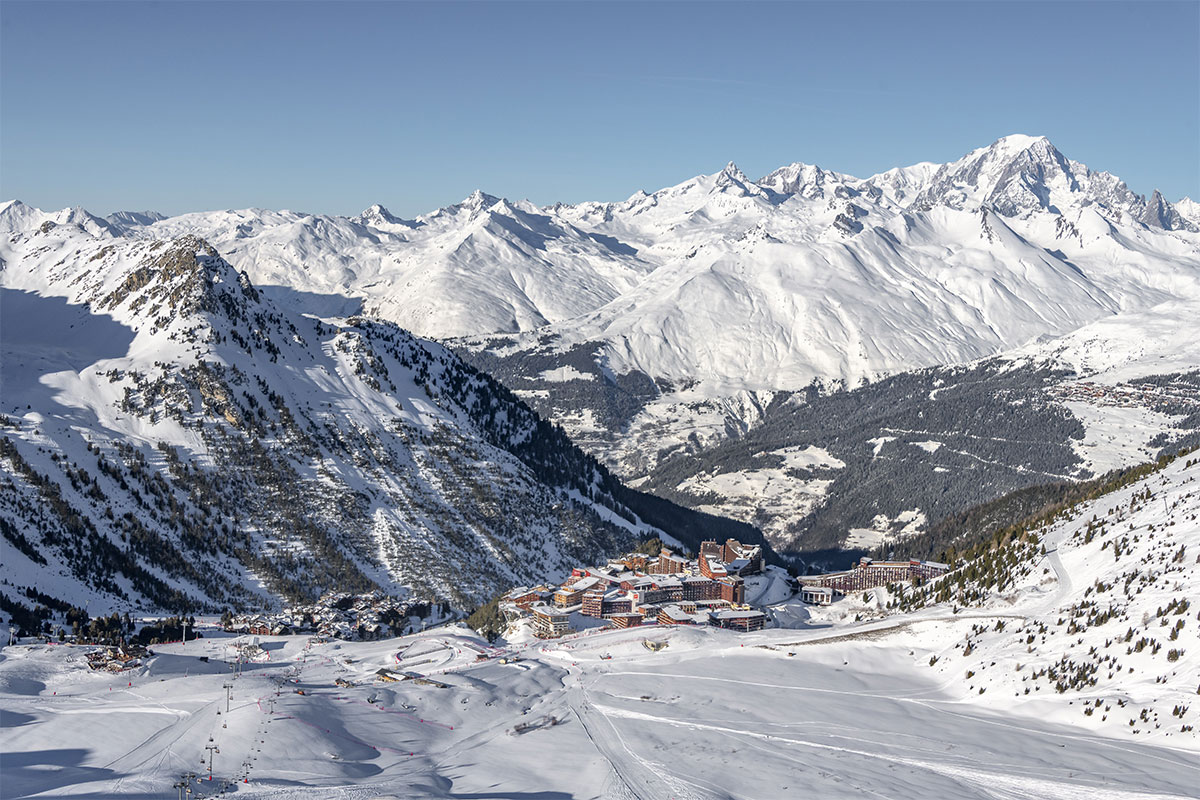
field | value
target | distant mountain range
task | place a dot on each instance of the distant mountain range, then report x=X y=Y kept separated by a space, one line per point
x=673 y=335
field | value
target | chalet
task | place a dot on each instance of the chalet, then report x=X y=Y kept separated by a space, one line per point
x=651 y=595
x=704 y=606
x=696 y=587
x=636 y=582
x=712 y=568
x=733 y=590
x=593 y=602
x=567 y=596
x=616 y=603
x=674 y=615
x=816 y=595
x=742 y=559
x=636 y=561
x=631 y=619
x=523 y=597
x=601 y=603
x=668 y=564
x=571 y=594
x=258 y=627
x=673 y=586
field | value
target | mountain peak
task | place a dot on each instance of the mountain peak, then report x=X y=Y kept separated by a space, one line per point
x=85 y=220
x=1189 y=209
x=731 y=174
x=377 y=215
x=477 y=201
x=184 y=276
x=1017 y=175
x=1019 y=141
x=130 y=220
x=16 y=216
x=1159 y=213
x=731 y=178
x=806 y=180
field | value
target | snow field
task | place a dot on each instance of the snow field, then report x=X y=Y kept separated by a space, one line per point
x=842 y=711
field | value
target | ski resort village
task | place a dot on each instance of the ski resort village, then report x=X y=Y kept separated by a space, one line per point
x=638 y=590
x=710 y=589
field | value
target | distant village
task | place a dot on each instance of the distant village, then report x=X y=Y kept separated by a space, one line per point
x=1167 y=399
x=631 y=591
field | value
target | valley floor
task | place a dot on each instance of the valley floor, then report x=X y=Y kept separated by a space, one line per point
x=841 y=711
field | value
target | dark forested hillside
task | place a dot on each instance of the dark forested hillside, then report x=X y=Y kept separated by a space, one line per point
x=938 y=440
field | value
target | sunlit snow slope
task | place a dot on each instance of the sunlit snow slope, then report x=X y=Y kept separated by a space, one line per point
x=1103 y=630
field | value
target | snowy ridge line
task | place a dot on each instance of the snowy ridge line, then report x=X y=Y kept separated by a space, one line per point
x=930 y=240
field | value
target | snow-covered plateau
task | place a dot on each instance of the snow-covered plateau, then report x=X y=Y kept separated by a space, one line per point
x=992 y=699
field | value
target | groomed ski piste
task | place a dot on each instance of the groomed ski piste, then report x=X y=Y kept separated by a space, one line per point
x=714 y=715
x=824 y=707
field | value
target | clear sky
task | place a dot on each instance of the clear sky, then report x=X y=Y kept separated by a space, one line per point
x=329 y=107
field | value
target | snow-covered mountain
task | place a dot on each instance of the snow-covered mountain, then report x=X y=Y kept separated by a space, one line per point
x=809 y=274
x=172 y=438
x=672 y=321
x=805 y=273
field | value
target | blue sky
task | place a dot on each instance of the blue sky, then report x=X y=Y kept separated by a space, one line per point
x=331 y=107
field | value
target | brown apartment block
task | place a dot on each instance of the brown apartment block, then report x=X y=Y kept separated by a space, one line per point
x=668 y=564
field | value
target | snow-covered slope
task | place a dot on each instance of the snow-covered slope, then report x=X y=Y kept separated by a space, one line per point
x=1124 y=347
x=174 y=439
x=482 y=265
x=1095 y=623
x=1058 y=675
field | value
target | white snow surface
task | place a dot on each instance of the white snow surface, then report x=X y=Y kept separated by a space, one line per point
x=1143 y=555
